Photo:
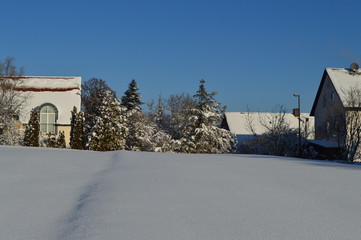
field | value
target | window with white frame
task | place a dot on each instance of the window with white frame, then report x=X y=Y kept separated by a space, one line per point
x=48 y=116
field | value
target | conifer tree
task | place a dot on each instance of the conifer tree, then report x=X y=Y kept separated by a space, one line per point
x=60 y=141
x=77 y=130
x=131 y=99
x=202 y=134
x=31 y=137
x=141 y=132
x=93 y=91
x=160 y=115
x=140 y=129
x=50 y=140
x=109 y=131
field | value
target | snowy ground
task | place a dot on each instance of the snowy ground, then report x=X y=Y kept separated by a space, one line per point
x=64 y=194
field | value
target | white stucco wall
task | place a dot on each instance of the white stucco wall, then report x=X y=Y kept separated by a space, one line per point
x=52 y=90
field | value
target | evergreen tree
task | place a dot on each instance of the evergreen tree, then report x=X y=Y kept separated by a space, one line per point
x=141 y=131
x=31 y=137
x=77 y=130
x=202 y=134
x=50 y=140
x=110 y=130
x=131 y=100
x=60 y=141
x=93 y=91
x=160 y=115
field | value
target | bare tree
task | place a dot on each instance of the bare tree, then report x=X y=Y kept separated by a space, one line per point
x=11 y=102
x=179 y=108
x=90 y=96
x=250 y=122
x=278 y=138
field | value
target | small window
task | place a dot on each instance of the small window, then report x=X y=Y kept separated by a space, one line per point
x=333 y=96
x=48 y=117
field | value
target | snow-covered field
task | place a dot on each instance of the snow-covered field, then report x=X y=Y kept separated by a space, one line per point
x=65 y=194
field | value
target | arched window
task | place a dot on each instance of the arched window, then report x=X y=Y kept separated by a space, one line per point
x=48 y=116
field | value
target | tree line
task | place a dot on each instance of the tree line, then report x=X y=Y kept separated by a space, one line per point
x=105 y=123
x=181 y=123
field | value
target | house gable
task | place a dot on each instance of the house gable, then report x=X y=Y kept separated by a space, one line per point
x=332 y=99
x=342 y=80
x=327 y=93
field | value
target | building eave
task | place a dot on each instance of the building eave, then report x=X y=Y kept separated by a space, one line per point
x=323 y=79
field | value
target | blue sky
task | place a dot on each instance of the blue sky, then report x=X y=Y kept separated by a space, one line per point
x=255 y=54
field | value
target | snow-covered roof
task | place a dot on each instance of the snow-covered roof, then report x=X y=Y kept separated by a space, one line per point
x=238 y=122
x=52 y=84
x=343 y=80
x=62 y=92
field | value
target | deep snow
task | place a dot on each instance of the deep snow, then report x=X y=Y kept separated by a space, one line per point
x=65 y=194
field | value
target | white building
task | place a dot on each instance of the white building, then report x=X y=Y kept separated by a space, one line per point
x=54 y=98
x=240 y=123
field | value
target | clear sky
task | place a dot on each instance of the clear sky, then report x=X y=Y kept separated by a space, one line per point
x=253 y=53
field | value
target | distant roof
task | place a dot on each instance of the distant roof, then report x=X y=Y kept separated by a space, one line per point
x=326 y=144
x=238 y=122
x=343 y=80
x=39 y=84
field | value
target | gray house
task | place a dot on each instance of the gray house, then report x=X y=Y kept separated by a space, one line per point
x=337 y=110
x=333 y=99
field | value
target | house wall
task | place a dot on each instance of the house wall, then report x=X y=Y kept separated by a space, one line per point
x=66 y=130
x=63 y=101
x=62 y=92
x=329 y=104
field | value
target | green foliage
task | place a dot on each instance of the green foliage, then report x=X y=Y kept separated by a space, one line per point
x=109 y=131
x=131 y=100
x=31 y=137
x=77 y=130
x=60 y=141
x=93 y=91
x=51 y=141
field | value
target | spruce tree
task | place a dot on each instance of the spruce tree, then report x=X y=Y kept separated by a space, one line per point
x=77 y=130
x=131 y=100
x=31 y=137
x=202 y=134
x=140 y=130
x=109 y=131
